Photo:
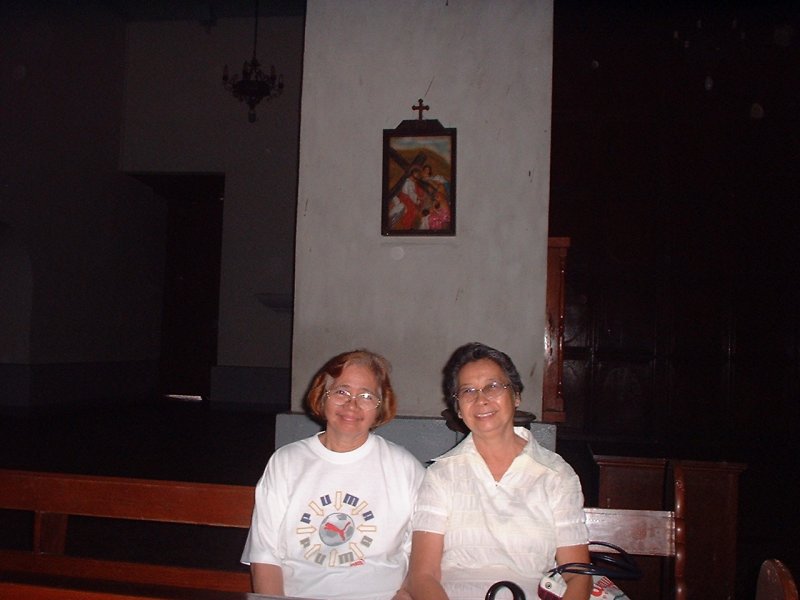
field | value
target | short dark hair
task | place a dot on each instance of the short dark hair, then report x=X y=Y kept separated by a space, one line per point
x=471 y=352
x=315 y=399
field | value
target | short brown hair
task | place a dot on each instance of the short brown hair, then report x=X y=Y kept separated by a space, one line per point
x=315 y=400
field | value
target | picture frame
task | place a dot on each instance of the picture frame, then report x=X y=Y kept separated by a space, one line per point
x=419 y=180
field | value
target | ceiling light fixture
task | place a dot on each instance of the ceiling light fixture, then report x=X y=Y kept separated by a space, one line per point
x=254 y=85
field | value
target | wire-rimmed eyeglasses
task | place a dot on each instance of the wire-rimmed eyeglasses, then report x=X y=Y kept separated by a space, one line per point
x=364 y=400
x=491 y=391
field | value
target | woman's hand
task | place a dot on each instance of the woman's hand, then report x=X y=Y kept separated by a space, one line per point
x=402 y=594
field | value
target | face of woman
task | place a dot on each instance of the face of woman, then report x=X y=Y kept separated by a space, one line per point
x=348 y=420
x=484 y=415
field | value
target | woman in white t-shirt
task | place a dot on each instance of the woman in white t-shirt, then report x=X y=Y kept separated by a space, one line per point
x=332 y=512
x=497 y=507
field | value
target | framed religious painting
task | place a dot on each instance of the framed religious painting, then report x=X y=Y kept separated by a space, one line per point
x=419 y=179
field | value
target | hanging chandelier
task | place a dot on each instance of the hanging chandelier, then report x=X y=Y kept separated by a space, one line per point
x=254 y=85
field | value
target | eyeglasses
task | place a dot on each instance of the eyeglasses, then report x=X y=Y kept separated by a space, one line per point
x=364 y=400
x=491 y=391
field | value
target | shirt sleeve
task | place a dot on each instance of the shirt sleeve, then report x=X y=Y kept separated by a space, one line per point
x=566 y=501
x=433 y=506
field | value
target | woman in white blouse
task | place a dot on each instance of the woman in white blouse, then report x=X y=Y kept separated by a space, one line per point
x=498 y=506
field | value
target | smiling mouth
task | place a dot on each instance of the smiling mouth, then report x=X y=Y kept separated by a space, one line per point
x=483 y=415
x=349 y=417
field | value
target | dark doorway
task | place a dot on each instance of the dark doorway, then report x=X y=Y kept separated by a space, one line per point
x=191 y=280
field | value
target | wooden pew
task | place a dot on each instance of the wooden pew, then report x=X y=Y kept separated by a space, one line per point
x=711 y=513
x=775 y=582
x=42 y=587
x=647 y=532
x=50 y=588
x=53 y=498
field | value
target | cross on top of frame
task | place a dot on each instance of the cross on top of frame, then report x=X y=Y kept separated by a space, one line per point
x=420 y=107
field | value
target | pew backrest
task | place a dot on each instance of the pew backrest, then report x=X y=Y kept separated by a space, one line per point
x=775 y=582
x=646 y=532
x=53 y=498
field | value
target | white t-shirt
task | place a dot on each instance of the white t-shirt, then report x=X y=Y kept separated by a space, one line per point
x=338 y=523
x=504 y=530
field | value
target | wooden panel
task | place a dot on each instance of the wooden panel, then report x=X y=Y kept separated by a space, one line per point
x=712 y=490
x=10 y=590
x=18 y=586
x=622 y=479
x=631 y=482
x=710 y=513
x=113 y=497
x=623 y=398
x=552 y=391
x=642 y=532
x=55 y=497
x=50 y=532
x=89 y=568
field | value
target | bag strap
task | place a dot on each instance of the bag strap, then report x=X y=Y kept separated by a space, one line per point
x=619 y=565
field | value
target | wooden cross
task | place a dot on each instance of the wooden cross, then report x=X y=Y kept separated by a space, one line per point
x=420 y=107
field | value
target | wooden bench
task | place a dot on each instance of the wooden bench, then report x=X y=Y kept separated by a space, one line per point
x=53 y=498
x=47 y=587
x=775 y=582
x=647 y=532
x=712 y=489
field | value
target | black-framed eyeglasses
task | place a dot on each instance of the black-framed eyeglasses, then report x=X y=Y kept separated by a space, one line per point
x=364 y=400
x=491 y=391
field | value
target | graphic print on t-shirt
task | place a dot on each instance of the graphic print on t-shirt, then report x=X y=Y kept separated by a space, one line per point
x=337 y=530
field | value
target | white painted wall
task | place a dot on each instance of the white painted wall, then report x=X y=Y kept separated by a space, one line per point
x=485 y=69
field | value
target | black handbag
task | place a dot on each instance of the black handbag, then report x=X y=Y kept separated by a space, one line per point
x=604 y=568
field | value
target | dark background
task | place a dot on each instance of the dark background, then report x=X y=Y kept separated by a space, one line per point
x=680 y=198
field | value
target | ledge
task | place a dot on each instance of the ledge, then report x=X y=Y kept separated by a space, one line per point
x=425 y=437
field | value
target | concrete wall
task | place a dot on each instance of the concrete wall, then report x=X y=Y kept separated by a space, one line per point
x=88 y=96
x=484 y=68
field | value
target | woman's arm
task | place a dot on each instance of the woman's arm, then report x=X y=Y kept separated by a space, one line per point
x=578 y=586
x=425 y=568
x=267 y=579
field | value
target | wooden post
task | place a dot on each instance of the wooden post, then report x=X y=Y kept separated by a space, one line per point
x=49 y=533
x=552 y=393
